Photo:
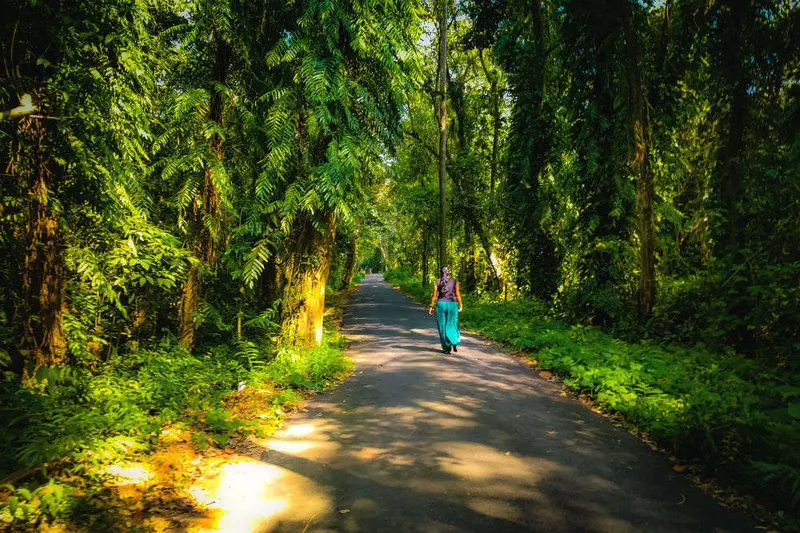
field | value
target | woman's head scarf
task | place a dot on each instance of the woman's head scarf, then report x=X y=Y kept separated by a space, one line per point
x=445 y=272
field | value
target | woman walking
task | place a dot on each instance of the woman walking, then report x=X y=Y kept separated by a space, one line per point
x=447 y=301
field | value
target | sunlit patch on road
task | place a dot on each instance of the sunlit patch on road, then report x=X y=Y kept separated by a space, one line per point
x=290 y=447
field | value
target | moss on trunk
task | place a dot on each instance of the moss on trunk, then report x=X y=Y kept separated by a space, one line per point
x=43 y=272
x=205 y=232
x=305 y=275
x=352 y=260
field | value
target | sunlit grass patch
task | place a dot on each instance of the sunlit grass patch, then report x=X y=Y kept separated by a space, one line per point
x=315 y=369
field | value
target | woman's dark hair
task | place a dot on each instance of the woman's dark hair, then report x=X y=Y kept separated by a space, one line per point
x=444 y=276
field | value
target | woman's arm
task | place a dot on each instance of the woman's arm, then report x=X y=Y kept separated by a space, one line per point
x=458 y=297
x=433 y=298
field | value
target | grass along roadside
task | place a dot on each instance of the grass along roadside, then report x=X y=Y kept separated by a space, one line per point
x=716 y=414
x=126 y=448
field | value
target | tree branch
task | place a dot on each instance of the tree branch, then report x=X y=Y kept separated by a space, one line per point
x=25 y=108
x=419 y=139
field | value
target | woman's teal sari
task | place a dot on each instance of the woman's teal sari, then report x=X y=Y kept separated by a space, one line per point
x=447 y=320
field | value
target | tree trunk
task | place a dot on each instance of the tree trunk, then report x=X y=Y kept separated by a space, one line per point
x=188 y=305
x=475 y=222
x=495 y=142
x=730 y=181
x=470 y=279
x=43 y=274
x=386 y=261
x=487 y=249
x=270 y=282
x=495 y=121
x=352 y=260
x=442 y=116
x=640 y=122
x=425 y=256
x=473 y=218
x=208 y=218
x=306 y=274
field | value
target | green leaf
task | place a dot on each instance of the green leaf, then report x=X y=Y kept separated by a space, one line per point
x=13 y=505
x=221 y=438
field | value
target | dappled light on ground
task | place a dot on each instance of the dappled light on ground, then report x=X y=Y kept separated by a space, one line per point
x=289 y=447
x=417 y=441
x=483 y=463
x=131 y=473
x=241 y=494
x=296 y=430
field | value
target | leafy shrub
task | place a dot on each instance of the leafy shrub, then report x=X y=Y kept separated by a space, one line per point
x=314 y=369
x=23 y=505
x=82 y=420
x=754 y=310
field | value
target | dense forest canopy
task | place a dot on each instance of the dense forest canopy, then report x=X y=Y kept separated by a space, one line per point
x=193 y=177
x=635 y=164
x=185 y=162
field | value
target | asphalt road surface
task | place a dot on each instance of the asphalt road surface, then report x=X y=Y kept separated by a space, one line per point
x=420 y=441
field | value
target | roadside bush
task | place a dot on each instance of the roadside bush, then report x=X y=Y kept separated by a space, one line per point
x=754 y=310
x=76 y=422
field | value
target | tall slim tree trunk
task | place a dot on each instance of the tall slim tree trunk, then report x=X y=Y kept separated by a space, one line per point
x=43 y=275
x=205 y=228
x=305 y=274
x=474 y=221
x=270 y=282
x=442 y=116
x=188 y=305
x=352 y=260
x=495 y=121
x=730 y=174
x=495 y=143
x=640 y=124
x=425 y=255
x=470 y=260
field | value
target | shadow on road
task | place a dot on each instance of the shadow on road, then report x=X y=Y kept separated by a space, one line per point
x=420 y=441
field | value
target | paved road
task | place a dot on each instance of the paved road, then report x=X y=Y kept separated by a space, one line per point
x=475 y=441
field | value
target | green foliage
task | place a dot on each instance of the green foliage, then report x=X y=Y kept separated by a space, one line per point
x=335 y=102
x=314 y=369
x=182 y=152
x=49 y=501
x=753 y=308
x=84 y=421
x=403 y=278
x=75 y=414
x=132 y=395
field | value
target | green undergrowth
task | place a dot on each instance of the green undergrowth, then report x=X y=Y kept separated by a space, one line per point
x=728 y=415
x=59 y=438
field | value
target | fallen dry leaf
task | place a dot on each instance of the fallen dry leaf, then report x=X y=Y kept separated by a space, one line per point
x=679 y=468
x=545 y=374
x=344 y=511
